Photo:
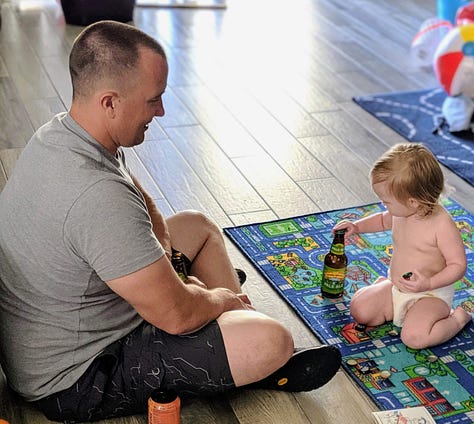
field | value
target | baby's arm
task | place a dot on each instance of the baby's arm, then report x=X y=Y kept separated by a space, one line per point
x=450 y=244
x=370 y=224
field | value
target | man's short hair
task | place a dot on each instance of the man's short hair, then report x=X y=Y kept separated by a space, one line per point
x=107 y=50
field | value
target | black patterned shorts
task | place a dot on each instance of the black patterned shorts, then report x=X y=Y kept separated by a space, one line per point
x=120 y=380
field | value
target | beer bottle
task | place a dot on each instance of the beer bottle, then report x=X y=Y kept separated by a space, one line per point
x=334 y=270
x=164 y=407
x=177 y=260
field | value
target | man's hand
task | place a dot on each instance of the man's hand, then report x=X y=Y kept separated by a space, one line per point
x=241 y=302
x=226 y=298
x=244 y=298
x=193 y=280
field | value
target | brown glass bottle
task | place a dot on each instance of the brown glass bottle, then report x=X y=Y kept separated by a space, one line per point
x=177 y=260
x=335 y=266
x=164 y=407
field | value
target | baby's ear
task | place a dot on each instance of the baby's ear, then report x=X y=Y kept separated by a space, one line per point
x=413 y=203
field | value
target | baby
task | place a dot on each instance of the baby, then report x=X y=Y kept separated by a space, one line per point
x=428 y=253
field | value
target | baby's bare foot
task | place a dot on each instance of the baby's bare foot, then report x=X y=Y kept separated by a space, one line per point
x=461 y=316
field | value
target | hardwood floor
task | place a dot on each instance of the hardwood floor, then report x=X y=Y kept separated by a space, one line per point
x=259 y=125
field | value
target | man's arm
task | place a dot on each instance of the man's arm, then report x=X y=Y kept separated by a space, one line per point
x=161 y=298
x=159 y=224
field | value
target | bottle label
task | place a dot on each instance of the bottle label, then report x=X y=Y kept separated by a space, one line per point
x=333 y=280
x=337 y=249
x=182 y=275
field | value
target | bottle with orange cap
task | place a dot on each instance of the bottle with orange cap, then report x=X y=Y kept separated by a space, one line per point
x=164 y=407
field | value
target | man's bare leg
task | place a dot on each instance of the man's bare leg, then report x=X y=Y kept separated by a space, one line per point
x=256 y=345
x=261 y=355
x=260 y=350
x=202 y=242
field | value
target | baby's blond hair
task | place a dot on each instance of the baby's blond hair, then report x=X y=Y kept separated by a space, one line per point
x=411 y=171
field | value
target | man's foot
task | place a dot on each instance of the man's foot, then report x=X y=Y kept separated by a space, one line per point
x=241 y=275
x=306 y=370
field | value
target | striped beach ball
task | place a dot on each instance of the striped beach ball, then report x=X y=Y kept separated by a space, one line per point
x=454 y=61
x=465 y=15
x=427 y=39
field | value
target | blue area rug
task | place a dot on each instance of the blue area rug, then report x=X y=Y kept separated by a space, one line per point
x=415 y=115
x=290 y=254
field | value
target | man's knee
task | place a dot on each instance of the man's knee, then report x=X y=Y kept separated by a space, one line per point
x=256 y=345
x=257 y=329
x=274 y=351
x=200 y=220
x=278 y=340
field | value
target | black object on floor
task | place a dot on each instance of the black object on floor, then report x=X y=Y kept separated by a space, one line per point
x=86 y=12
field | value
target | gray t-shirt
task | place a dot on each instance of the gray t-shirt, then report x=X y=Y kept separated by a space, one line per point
x=70 y=219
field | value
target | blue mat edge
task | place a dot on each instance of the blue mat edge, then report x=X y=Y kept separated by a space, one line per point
x=364 y=97
x=360 y=99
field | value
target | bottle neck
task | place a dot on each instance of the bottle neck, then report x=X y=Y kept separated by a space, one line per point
x=337 y=246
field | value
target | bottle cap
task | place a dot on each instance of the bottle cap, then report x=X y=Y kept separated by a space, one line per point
x=163 y=396
x=341 y=231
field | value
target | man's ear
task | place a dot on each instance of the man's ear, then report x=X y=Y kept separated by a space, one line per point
x=108 y=103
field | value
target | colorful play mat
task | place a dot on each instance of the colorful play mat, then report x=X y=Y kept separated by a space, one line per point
x=290 y=252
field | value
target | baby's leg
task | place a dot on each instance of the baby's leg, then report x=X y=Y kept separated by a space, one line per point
x=429 y=322
x=372 y=305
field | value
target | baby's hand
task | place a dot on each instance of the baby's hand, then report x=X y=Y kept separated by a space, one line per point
x=414 y=282
x=347 y=225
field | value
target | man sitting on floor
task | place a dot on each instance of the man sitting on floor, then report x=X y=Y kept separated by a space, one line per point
x=94 y=317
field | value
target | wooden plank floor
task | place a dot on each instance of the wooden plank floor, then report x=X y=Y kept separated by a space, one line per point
x=259 y=125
